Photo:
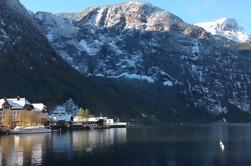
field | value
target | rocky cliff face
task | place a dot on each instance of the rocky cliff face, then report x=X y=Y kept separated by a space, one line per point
x=138 y=41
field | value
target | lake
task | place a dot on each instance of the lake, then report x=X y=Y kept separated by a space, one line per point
x=174 y=145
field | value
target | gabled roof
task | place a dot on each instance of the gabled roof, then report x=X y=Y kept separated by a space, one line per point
x=39 y=107
x=16 y=103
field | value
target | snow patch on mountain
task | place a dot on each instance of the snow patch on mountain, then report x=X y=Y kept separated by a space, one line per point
x=228 y=28
x=168 y=83
x=134 y=76
x=90 y=49
x=3 y=34
x=57 y=27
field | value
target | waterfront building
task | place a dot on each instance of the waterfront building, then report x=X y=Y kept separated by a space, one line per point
x=19 y=111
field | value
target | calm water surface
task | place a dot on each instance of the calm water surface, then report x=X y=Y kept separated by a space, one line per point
x=172 y=145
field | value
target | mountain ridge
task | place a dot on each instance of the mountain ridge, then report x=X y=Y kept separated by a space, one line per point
x=118 y=42
x=228 y=28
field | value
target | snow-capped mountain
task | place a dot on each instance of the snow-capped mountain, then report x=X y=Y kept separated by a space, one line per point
x=88 y=33
x=136 y=40
x=228 y=28
x=136 y=60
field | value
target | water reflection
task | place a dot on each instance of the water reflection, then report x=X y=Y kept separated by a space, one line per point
x=79 y=140
x=16 y=148
x=172 y=145
x=32 y=149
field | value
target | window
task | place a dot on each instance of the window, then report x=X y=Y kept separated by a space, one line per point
x=6 y=107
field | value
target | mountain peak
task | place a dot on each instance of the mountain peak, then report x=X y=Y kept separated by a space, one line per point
x=138 y=3
x=226 y=27
x=135 y=3
x=227 y=23
x=226 y=20
x=131 y=15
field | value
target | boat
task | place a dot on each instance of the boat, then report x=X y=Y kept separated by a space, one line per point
x=118 y=125
x=112 y=124
x=30 y=130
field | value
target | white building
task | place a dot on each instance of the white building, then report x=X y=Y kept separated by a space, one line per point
x=60 y=114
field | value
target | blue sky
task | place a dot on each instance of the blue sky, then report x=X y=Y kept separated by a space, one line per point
x=191 y=11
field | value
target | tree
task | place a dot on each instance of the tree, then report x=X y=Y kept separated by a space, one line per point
x=29 y=118
x=101 y=122
x=8 y=119
x=83 y=114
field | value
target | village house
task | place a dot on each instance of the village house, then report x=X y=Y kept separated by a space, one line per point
x=19 y=111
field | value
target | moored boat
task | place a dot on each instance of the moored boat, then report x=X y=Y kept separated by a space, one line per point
x=112 y=124
x=118 y=125
x=30 y=130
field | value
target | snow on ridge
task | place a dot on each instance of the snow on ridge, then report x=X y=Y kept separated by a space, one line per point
x=218 y=23
x=57 y=26
x=130 y=76
x=226 y=27
x=4 y=34
x=49 y=37
x=136 y=76
x=195 y=47
x=86 y=47
x=168 y=83
x=133 y=76
x=91 y=48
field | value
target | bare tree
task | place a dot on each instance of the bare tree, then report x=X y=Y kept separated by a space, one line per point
x=29 y=118
x=8 y=119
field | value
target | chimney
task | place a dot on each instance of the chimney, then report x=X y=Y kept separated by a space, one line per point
x=18 y=97
x=5 y=99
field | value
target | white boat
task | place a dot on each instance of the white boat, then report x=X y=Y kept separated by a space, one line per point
x=118 y=125
x=30 y=130
x=112 y=124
